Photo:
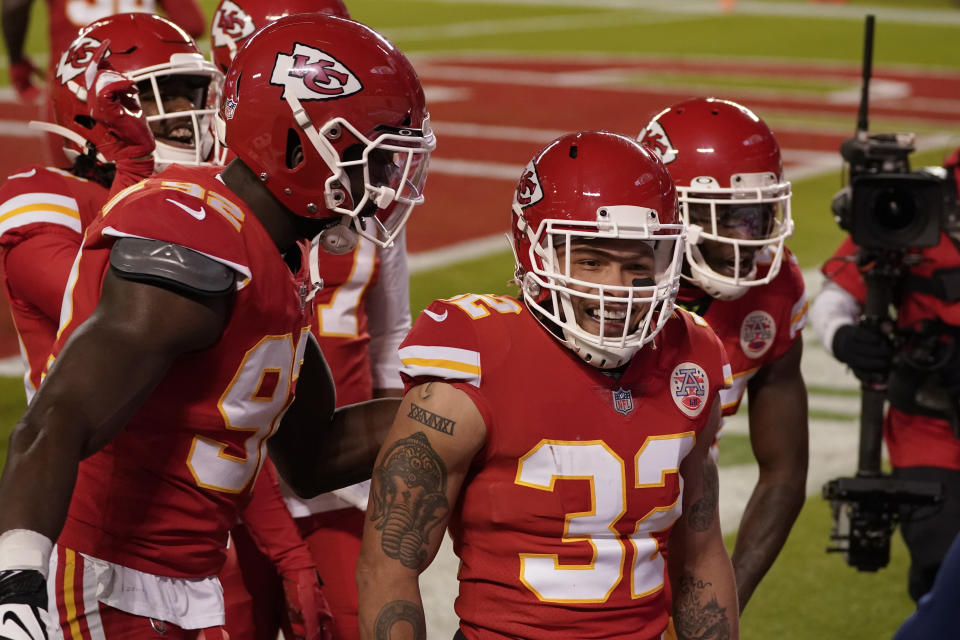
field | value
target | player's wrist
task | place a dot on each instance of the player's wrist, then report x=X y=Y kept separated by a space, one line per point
x=23 y=549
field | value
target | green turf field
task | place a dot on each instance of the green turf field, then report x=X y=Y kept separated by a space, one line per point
x=808 y=594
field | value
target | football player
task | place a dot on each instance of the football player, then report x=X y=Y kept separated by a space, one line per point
x=361 y=315
x=66 y=17
x=45 y=209
x=740 y=277
x=186 y=332
x=236 y=20
x=43 y=230
x=565 y=438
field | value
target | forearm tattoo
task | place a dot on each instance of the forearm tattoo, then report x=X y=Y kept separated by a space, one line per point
x=409 y=499
x=397 y=612
x=703 y=510
x=430 y=419
x=694 y=619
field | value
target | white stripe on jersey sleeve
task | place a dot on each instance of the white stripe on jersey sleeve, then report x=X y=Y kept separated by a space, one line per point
x=449 y=363
x=30 y=208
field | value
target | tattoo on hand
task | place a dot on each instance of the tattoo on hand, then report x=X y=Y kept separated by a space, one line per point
x=432 y=420
x=399 y=611
x=695 y=620
x=409 y=498
x=703 y=510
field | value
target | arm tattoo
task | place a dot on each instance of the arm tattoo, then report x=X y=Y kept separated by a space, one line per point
x=409 y=498
x=425 y=391
x=399 y=611
x=703 y=510
x=432 y=420
x=695 y=620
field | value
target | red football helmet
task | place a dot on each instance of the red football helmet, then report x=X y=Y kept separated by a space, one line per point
x=596 y=185
x=331 y=117
x=234 y=20
x=733 y=197
x=168 y=68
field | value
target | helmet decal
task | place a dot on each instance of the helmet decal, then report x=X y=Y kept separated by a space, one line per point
x=656 y=139
x=75 y=59
x=229 y=108
x=689 y=388
x=312 y=74
x=230 y=23
x=528 y=189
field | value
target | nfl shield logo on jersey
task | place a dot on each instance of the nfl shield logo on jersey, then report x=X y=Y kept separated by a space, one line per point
x=623 y=401
x=689 y=388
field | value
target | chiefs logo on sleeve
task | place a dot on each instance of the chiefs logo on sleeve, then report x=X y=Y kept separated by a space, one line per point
x=230 y=23
x=312 y=74
x=75 y=59
x=656 y=139
x=528 y=190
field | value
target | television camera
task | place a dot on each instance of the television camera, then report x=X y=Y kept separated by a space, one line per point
x=890 y=212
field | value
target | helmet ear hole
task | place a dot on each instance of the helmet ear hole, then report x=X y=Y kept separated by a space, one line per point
x=84 y=121
x=294 y=153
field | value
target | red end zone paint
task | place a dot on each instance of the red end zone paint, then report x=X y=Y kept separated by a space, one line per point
x=492 y=114
x=539 y=98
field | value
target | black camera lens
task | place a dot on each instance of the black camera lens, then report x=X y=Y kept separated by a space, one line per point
x=895 y=208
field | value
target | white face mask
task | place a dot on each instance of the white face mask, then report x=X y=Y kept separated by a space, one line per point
x=605 y=324
x=180 y=99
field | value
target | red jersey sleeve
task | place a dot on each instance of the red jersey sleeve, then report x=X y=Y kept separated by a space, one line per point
x=443 y=346
x=789 y=284
x=201 y=217
x=272 y=527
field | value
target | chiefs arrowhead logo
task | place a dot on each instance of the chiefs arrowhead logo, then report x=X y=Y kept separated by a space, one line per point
x=75 y=59
x=528 y=190
x=311 y=74
x=230 y=23
x=656 y=139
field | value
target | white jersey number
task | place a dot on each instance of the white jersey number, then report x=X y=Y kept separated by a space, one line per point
x=254 y=402
x=83 y=12
x=338 y=317
x=596 y=463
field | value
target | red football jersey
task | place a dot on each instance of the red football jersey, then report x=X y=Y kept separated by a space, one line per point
x=340 y=319
x=162 y=495
x=913 y=440
x=563 y=521
x=67 y=17
x=759 y=327
x=51 y=204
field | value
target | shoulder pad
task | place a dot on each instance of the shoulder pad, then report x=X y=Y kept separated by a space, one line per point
x=170 y=265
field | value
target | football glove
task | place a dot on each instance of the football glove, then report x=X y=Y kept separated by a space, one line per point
x=307 y=608
x=21 y=77
x=866 y=351
x=23 y=605
x=114 y=102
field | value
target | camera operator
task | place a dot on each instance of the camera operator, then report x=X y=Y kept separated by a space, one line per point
x=918 y=357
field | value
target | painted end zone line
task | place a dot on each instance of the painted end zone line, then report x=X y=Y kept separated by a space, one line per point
x=472 y=249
